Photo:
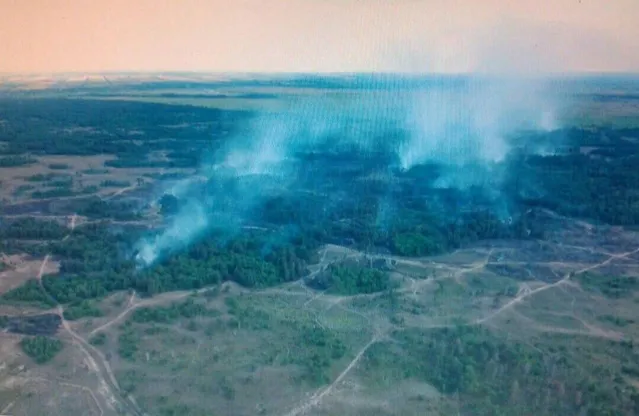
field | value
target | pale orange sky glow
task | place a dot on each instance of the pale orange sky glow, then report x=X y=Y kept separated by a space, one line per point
x=319 y=36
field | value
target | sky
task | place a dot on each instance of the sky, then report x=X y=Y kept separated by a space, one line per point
x=44 y=36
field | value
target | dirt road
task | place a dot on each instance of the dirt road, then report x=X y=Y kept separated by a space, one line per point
x=96 y=361
x=526 y=294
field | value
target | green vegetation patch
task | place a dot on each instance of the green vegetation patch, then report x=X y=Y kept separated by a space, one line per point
x=42 y=177
x=98 y=339
x=15 y=161
x=63 y=182
x=81 y=309
x=94 y=171
x=59 y=166
x=321 y=348
x=485 y=284
x=128 y=343
x=30 y=292
x=111 y=183
x=32 y=248
x=33 y=229
x=491 y=375
x=129 y=380
x=169 y=314
x=610 y=286
x=416 y=245
x=53 y=193
x=298 y=338
x=351 y=279
x=258 y=332
x=41 y=349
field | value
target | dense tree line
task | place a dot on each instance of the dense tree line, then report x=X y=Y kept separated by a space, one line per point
x=78 y=127
x=208 y=262
x=42 y=177
x=134 y=161
x=186 y=309
x=11 y=246
x=30 y=228
x=59 y=166
x=112 y=183
x=17 y=160
x=58 y=193
x=100 y=209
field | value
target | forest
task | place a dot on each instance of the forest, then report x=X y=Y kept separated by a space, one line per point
x=422 y=219
x=593 y=178
x=58 y=126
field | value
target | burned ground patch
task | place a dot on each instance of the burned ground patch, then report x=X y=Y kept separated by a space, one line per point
x=44 y=324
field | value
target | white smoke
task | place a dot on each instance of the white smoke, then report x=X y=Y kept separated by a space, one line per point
x=470 y=123
x=462 y=126
x=185 y=227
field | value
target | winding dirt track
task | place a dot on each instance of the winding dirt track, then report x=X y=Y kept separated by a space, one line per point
x=524 y=292
x=564 y=280
x=318 y=396
x=96 y=361
x=133 y=305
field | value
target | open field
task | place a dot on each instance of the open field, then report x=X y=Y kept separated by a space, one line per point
x=80 y=175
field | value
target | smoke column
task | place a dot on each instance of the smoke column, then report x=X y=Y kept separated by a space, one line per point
x=461 y=125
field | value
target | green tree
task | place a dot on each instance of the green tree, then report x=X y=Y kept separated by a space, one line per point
x=41 y=349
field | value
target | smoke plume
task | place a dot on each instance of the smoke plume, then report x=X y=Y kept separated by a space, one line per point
x=462 y=125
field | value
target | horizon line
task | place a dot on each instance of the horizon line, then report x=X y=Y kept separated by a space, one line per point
x=315 y=73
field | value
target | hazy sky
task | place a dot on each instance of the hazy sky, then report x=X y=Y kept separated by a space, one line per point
x=319 y=35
